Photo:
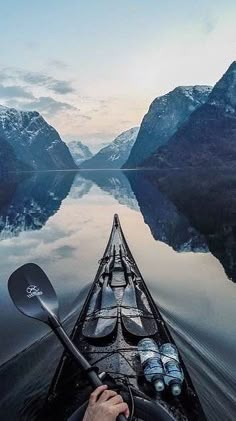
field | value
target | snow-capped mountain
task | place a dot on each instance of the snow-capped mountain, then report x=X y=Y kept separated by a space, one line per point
x=208 y=137
x=115 y=154
x=33 y=141
x=165 y=115
x=79 y=151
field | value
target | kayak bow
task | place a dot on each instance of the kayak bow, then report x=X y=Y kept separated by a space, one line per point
x=117 y=313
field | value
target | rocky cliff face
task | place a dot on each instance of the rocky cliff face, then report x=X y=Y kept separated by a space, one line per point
x=8 y=160
x=166 y=114
x=79 y=151
x=115 y=154
x=208 y=138
x=33 y=141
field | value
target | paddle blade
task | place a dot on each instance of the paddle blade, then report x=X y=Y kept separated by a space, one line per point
x=136 y=314
x=102 y=314
x=32 y=292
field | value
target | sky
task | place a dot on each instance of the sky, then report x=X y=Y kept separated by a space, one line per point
x=93 y=67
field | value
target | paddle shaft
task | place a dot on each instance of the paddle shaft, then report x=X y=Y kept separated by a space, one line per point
x=74 y=352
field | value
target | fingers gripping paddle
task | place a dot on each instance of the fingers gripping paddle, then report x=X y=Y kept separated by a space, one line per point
x=33 y=294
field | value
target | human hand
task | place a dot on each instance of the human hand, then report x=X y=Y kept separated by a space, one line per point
x=105 y=405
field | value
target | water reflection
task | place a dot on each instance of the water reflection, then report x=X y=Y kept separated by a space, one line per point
x=207 y=199
x=193 y=211
x=27 y=204
x=166 y=223
x=62 y=222
x=183 y=210
x=115 y=183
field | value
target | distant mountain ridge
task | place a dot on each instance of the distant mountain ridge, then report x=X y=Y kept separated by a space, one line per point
x=165 y=115
x=208 y=137
x=33 y=141
x=79 y=151
x=115 y=154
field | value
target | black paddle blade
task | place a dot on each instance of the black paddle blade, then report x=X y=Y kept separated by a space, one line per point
x=32 y=292
x=136 y=314
x=102 y=314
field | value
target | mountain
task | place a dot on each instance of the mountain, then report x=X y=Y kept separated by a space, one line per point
x=33 y=141
x=8 y=160
x=166 y=114
x=115 y=154
x=208 y=138
x=79 y=151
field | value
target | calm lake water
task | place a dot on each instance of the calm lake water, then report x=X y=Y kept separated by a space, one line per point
x=182 y=233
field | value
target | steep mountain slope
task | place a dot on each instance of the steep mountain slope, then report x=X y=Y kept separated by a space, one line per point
x=115 y=154
x=8 y=160
x=33 y=140
x=166 y=114
x=208 y=138
x=79 y=151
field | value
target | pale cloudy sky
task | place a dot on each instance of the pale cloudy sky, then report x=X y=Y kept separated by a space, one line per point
x=92 y=67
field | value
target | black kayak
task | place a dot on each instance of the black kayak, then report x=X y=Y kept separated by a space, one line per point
x=118 y=312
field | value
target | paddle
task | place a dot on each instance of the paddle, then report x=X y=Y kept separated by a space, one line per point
x=102 y=313
x=33 y=294
x=136 y=314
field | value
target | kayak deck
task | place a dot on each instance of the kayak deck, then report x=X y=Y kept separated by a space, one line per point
x=118 y=312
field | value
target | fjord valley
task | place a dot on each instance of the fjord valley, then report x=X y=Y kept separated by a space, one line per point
x=191 y=126
x=172 y=179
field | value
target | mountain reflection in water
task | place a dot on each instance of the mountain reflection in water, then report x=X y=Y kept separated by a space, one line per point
x=176 y=223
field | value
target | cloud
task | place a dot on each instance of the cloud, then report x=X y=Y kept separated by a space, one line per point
x=61 y=87
x=57 y=86
x=48 y=106
x=36 y=78
x=59 y=64
x=86 y=117
x=6 y=75
x=126 y=122
x=14 y=92
x=64 y=251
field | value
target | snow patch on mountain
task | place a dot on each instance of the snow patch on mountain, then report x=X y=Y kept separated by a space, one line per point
x=79 y=151
x=116 y=153
x=33 y=140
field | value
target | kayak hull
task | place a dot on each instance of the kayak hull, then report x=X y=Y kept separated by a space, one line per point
x=118 y=311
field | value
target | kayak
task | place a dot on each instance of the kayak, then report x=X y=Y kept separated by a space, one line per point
x=118 y=313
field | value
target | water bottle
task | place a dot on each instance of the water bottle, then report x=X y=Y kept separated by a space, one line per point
x=174 y=375
x=151 y=362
